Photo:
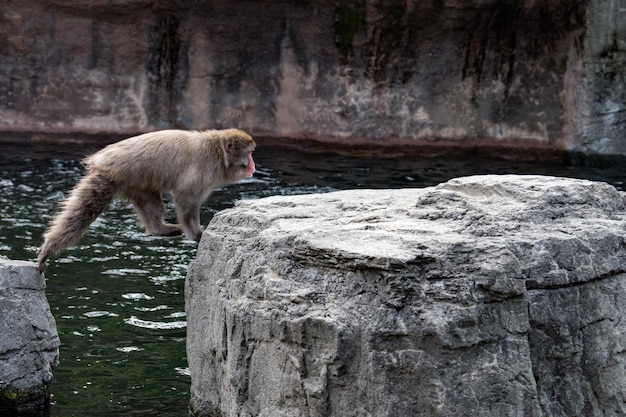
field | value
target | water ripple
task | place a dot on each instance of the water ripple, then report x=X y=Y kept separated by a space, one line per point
x=158 y=325
x=93 y=314
x=124 y=271
x=137 y=296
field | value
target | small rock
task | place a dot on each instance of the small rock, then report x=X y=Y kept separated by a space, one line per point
x=29 y=343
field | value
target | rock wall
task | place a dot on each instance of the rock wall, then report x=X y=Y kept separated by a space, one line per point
x=483 y=296
x=29 y=343
x=517 y=74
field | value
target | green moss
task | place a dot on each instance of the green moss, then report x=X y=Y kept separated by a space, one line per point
x=613 y=60
x=395 y=12
x=349 y=22
x=15 y=396
x=25 y=402
x=438 y=5
x=611 y=49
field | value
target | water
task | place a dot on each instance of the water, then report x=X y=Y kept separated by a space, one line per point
x=118 y=297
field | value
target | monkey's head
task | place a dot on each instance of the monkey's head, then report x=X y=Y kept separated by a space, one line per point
x=237 y=146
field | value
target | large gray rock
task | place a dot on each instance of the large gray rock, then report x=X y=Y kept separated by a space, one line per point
x=29 y=343
x=483 y=296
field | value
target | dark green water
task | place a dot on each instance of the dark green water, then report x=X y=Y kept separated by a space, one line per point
x=118 y=297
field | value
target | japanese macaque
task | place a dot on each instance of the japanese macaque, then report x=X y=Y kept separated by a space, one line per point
x=188 y=165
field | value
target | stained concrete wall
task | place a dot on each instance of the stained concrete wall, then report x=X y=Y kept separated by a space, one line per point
x=518 y=74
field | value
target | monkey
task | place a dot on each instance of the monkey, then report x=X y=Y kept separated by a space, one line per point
x=188 y=165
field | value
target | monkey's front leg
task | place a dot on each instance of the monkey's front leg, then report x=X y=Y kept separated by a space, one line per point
x=188 y=214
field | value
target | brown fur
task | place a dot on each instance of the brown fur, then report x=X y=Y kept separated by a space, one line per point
x=187 y=164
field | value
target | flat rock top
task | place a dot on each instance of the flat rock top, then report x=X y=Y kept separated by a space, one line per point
x=511 y=224
x=20 y=275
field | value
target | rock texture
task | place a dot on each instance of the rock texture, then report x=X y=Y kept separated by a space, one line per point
x=483 y=296
x=29 y=343
x=518 y=74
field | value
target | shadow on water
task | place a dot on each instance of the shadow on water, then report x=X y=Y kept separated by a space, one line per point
x=118 y=297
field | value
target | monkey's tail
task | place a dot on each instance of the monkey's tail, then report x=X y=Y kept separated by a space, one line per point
x=91 y=196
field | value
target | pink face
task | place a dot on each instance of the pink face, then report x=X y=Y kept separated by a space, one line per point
x=250 y=168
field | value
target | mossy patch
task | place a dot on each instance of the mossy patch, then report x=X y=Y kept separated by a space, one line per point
x=15 y=396
x=349 y=22
x=613 y=59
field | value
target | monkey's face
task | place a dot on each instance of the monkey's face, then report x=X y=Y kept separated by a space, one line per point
x=238 y=153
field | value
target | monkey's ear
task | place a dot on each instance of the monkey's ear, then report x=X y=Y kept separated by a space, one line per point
x=228 y=146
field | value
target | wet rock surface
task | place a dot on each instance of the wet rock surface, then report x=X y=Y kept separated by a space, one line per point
x=486 y=295
x=29 y=343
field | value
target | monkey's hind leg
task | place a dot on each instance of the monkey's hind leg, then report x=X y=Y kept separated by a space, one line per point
x=151 y=212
